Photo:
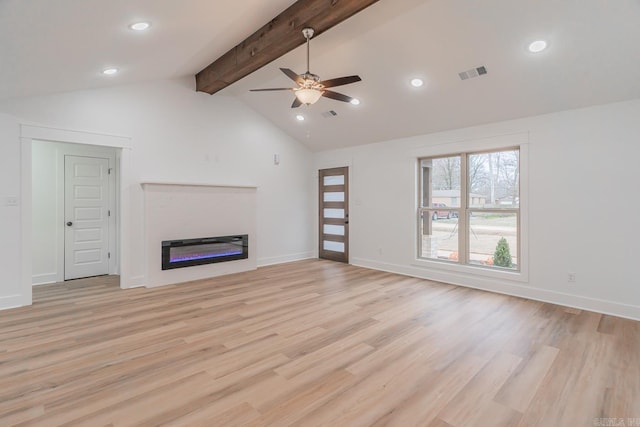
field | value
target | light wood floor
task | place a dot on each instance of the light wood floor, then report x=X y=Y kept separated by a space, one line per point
x=311 y=343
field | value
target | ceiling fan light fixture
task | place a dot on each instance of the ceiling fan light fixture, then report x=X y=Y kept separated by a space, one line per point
x=310 y=87
x=308 y=96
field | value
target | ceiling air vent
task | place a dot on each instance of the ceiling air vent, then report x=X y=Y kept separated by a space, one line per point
x=474 y=72
x=329 y=114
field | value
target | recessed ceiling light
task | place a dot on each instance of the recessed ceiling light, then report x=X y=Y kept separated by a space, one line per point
x=537 y=46
x=140 y=26
x=109 y=71
x=300 y=118
x=355 y=101
x=417 y=82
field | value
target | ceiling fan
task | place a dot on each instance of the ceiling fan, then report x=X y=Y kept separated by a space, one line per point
x=310 y=88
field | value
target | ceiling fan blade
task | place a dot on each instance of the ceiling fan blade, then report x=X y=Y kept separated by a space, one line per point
x=340 y=81
x=292 y=75
x=275 y=88
x=296 y=103
x=337 y=96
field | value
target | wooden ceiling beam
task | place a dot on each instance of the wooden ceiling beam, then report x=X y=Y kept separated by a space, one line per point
x=279 y=36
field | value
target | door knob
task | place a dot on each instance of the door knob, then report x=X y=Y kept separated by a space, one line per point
x=69 y=223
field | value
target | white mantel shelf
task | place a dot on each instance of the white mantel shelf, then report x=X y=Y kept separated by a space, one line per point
x=195 y=184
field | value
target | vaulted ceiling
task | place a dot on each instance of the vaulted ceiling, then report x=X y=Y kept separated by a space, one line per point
x=592 y=58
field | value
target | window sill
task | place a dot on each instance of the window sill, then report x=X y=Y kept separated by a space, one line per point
x=471 y=270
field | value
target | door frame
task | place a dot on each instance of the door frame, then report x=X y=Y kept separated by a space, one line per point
x=347 y=176
x=29 y=133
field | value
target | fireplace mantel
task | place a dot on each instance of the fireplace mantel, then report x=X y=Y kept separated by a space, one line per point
x=195 y=184
x=188 y=210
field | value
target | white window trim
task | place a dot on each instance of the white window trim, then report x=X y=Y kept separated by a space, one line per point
x=490 y=143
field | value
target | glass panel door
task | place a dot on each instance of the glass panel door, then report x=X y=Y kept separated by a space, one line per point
x=334 y=214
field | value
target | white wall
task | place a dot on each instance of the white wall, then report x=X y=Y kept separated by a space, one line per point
x=582 y=186
x=179 y=135
x=582 y=205
x=11 y=294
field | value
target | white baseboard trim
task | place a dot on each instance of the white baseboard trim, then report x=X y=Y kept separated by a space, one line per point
x=44 y=279
x=211 y=275
x=132 y=282
x=503 y=287
x=263 y=262
x=11 y=301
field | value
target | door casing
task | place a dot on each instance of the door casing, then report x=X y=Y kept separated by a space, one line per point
x=333 y=239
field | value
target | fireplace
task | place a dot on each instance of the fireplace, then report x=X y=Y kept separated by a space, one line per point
x=190 y=252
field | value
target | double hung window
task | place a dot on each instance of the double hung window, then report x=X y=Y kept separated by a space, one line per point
x=469 y=209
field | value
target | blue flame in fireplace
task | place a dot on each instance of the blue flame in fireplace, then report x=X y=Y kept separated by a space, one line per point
x=192 y=257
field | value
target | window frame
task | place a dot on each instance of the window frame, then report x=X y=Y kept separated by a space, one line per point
x=463 y=264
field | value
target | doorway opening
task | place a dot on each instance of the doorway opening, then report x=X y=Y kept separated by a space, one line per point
x=75 y=200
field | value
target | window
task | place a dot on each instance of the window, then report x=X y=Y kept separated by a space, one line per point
x=469 y=209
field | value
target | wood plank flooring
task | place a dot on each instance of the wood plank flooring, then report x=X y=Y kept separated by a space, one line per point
x=311 y=343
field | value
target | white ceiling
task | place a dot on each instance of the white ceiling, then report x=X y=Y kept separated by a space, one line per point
x=49 y=46
x=593 y=58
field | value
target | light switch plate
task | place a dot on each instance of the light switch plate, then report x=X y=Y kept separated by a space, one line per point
x=11 y=201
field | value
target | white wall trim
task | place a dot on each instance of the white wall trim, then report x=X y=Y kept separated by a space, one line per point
x=194 y=184
x=73 y=136
x=263 y=262
x=11 y=301
x=44 y=279
x=126 y=179
x=503 y=287
x=26 y=269
x=332 y=164
x=27 y=134
x=478 y=143
x=463 y=269
x=134 y=282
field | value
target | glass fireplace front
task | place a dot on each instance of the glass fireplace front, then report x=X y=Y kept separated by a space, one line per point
x=207 y=250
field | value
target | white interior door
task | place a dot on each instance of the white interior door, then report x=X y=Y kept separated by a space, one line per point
x=86 y=198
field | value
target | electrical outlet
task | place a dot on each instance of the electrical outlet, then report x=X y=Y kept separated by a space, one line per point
x=571 y=277
x=11 y=201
